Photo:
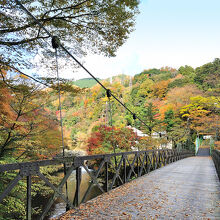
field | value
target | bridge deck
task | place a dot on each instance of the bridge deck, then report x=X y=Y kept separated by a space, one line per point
x=187 y=189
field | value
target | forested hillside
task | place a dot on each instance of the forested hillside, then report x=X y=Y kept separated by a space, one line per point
x=85 y=83
x=180 y=104
x=176 y=105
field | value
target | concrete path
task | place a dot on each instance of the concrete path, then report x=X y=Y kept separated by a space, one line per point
x=187 y=189
x=202 y=152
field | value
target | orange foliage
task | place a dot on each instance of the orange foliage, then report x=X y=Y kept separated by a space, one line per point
x=75 y=114
x=217 y=145
x=160 y=88
x=41 y=156
x=86 y=102
x=179 y=97
x=165 y=108
x=3 y=72
x=5 y=108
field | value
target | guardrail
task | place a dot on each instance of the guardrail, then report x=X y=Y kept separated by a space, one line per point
x=216 y=159
x=108 y=171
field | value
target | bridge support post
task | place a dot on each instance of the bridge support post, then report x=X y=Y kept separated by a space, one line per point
x=125 y=174
x=172 y=156
x=106 y=176
x=28 y=215
x=167 y=157
x=154 y=156
x=138 y=170
x=78 y=181
x=159 y=159
x=147 y=163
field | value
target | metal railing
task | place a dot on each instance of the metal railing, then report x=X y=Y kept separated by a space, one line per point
x=216 y=159
x=108 y=171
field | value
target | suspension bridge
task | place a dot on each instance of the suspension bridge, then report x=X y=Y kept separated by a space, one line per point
x=163 y=184
x=188 y=189
x=135 y=185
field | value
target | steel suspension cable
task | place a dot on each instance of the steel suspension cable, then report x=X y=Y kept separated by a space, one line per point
x=67 y=52
x=108 y=93
x=55 y=44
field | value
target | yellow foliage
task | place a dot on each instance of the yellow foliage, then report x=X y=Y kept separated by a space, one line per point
x=160 y=88
x=105 y=99
x=23 y=76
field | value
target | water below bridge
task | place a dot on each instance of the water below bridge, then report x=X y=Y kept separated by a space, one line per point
x=186 y=189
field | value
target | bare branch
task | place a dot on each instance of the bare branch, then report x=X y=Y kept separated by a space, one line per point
x=13 y=43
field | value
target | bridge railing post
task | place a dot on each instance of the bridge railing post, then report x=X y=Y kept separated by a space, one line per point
x=106 y=176
x=165 y=157
x=138 y=170
x=168 y=156
x=125 y=171
x=78 y=181
x=156 y=159
x=173 y=156
x=159 y=159
x=153 y=160
x=147 y=163
x=28 y=212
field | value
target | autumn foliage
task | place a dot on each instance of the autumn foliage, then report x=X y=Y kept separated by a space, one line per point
x=105 y=138
x=28 y=129
x=166 y=99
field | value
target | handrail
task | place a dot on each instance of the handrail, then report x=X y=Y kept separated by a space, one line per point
x=130 y=165
x=60 y=160
x=216 y=159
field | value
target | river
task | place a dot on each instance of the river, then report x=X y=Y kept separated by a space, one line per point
x=60 y=207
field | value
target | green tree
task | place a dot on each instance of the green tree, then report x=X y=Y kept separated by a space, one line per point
x=169 y=120
x=150 y=115
x=141 y=91
x=186 y=70
x=100 y=26
x=180 y=82
x=208 y=75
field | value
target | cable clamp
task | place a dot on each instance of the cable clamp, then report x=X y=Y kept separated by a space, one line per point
x=134 y=116
x=108 y=93
x=55 y=42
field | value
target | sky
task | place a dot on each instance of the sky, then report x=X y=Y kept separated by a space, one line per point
x=167 y=33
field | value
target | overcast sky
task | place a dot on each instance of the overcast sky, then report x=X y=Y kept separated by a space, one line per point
x=168 y=33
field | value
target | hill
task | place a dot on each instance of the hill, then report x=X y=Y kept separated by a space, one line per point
x=85 y=83
x=180 y=103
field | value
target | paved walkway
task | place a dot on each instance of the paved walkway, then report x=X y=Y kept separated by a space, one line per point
x=187 y=189
x=203 y=151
